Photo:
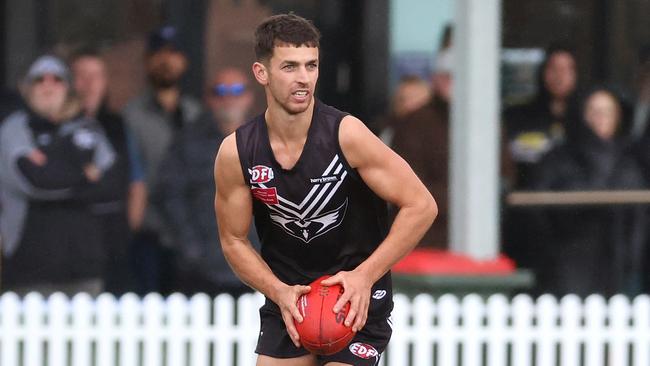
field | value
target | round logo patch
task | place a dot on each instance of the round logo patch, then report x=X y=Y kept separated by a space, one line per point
x=363 y=350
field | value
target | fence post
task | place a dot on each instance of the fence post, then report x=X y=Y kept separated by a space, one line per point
x=473 y=310
x=594 y=311
x=423 y=313
x=497 y=311
x=571 y=315
x=9 y=326
x=522 y=319
x=398 y=351
x=224 y=315
x=82 y=323
x=619 y=316
x=106 y=320
x=641 y=330
x=153 y=316
x=129 y=307
x=177 y=328
x=448 y=322
x=34 y=315
x=546 y=323
x=199 y=322
x=58 y=332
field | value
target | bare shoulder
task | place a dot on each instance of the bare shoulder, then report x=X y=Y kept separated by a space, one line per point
x=358 y=143
x=227 y=168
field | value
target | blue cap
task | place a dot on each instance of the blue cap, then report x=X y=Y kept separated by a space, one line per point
x=165 y=37
x=47 y=65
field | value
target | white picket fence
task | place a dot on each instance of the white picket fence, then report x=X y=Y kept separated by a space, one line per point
x=201 y=331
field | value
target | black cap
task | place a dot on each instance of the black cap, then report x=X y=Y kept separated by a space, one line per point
x=165 y=37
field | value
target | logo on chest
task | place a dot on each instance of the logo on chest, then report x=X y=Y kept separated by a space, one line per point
x=260 y=174
x=308 y=219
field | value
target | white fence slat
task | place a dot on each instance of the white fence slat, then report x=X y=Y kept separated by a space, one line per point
x=83 y=310
x=619 y=313
x=448 y=318
x=522 y=319
x=106 y=320
x=497 y=311
x=58 y=329
x=153 y=311
x=398 y=347
x=547 y=309
x=595 y=310
x=9 y=323
x=464 y=332
x=130 y=311
x=199 y=306
x=641 y=330
x=224 y=315
x=177 y=327
x=473 y=309
x=570 y=317
x=34 y=316
x=423 y=309
x=248 y=321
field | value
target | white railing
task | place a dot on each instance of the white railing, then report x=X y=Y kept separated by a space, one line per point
x=446 y=331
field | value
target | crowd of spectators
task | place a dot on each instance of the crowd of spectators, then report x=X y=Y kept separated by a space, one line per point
x=94 y=200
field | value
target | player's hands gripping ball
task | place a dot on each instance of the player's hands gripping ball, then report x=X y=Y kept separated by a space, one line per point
x=322 y=331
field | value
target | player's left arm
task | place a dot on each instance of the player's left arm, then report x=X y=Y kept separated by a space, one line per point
x=392 y=179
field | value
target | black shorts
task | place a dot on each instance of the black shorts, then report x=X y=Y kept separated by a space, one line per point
x=365 y=348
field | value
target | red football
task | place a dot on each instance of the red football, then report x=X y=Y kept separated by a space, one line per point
x=322 y=332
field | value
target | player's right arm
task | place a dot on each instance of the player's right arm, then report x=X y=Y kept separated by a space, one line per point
x=234 y=209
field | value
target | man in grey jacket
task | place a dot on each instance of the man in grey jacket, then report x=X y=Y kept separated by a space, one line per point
x=52 y=161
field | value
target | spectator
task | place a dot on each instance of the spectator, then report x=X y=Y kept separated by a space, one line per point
x=126 y=177
x=593 y=249
x=186 y=189
x=52 y=163
x=411 y=94
x=534 y=128
x=155 y=117
x=422 y=139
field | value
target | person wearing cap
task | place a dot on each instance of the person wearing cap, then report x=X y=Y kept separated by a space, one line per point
x=186 y=188
x=52 y=164
x=155 y=117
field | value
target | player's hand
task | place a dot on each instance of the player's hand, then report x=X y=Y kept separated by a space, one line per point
x=356 y=290
x=287 y=299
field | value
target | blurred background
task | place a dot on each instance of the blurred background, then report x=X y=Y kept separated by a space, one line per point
x=390 y=62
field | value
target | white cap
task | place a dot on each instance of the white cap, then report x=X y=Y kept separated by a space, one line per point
x=47 y=65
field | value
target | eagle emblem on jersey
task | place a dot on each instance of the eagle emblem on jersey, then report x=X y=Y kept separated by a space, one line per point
x=312 y=227
x=306 y=220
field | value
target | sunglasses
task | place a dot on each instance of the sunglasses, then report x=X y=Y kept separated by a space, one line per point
x=41 y=79
x=234 y=90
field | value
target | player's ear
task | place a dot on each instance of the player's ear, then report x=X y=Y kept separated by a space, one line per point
x=261 y=73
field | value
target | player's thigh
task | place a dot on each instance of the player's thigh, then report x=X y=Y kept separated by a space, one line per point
x=306 y=360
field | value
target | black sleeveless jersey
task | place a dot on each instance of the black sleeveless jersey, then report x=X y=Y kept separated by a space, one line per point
x=318 y=217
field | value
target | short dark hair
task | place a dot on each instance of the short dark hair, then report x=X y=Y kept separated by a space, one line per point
x=84 y=51
x=289 y=29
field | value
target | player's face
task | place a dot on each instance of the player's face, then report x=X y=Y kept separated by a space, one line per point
x=292 y=77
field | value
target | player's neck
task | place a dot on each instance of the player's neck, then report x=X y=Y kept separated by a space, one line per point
x=285 y=126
